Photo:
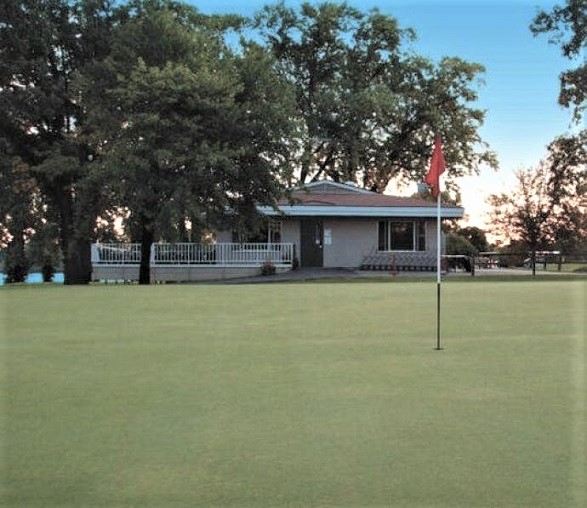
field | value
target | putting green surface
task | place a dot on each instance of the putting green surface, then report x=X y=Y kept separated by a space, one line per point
x=294 y=395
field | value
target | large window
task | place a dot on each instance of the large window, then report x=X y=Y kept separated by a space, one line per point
x=402 y=235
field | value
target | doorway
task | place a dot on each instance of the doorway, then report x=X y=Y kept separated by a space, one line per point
x=312 y=243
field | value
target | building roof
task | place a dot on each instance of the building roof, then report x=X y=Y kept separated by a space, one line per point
x=332 y=199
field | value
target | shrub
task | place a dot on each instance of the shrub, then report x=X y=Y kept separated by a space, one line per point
x=268 y=268
x=16 y=264
x=16 y=272
x=48 y=271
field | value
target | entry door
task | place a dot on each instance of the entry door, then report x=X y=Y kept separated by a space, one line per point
x=312 y=248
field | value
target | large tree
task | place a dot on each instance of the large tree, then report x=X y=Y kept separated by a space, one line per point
x=43 y=45
x=567 y=190
x=367 y=109
x=567 y=27
x=186 y=128
x=547 y=208
x=17 y=213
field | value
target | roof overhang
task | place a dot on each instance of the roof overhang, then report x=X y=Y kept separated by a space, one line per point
x=362 y=211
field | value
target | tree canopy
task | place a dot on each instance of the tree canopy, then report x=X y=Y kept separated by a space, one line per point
x=567 y=28
x=43 y=44
x=143 y=106
x=193 y=131
x=367 y=108
x=547 y=208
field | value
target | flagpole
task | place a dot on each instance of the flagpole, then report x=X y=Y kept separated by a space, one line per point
x=438 y=273
x=437 y=167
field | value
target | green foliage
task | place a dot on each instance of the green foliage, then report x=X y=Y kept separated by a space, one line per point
x=476 y=237
x=47 y=271
x=367 y=109
x=17 y=213
x=457 y=244
x=186 y=128
x=268 y=268
x=516 y=251
x=547 y=207
x=43 y=247
x=44 y=44
x=16 y=264
x=567 y=28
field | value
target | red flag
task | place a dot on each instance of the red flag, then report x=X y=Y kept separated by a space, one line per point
x=437 y=167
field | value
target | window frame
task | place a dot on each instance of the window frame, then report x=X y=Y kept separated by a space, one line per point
x=385 y=228
x=269 y=233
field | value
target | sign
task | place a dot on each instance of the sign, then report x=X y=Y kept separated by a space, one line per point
x=328 y=237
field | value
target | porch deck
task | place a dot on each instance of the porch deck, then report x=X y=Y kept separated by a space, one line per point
x=184 y=262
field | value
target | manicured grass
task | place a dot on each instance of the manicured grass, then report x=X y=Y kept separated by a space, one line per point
x=568 y=267
x=294 y=395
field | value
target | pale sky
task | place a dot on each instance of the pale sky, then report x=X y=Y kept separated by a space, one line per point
x=521 y=80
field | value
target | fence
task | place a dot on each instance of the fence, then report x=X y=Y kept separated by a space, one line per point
x=179 y=254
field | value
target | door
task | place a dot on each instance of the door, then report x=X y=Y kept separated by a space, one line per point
x=312 y=240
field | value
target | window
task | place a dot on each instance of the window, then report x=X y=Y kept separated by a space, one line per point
x=269 y=232
x=402 y=235
x=274 y=231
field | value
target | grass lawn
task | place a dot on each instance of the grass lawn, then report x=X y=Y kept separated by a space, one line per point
x=294 y=395
x=566 y=267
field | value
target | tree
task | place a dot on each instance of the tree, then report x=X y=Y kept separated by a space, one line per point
x=43 y=45
x=547 y=207
x=187 y=129
x=567 y=26
x=367 y=110
x=524 y=213
x=567 y=190
x=476 y=238
x=17 y=214
x=457 y=244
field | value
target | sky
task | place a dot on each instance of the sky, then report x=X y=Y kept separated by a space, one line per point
x=520 y=87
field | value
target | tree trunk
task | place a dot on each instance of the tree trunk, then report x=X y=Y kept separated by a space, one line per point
x=76 y=247
x=78 y=263
x=145 y=267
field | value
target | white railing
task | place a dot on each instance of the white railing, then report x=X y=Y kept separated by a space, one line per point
x=116 y=253
x=179 y=254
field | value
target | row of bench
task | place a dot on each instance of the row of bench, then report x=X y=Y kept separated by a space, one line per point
x=400 y=262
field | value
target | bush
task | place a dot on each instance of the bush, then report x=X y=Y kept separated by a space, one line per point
x=268 y=268
x=16 y=263
x=48 y=271
x=456 y=244
x=16 y=272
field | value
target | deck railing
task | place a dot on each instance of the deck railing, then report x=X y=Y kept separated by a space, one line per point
x=179 y=254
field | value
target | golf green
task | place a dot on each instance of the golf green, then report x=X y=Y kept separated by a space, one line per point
x=294 y=395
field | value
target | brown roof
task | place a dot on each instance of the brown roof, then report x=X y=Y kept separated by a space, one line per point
x=366 y=200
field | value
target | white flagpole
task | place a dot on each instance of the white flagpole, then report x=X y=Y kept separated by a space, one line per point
x=438 y=273
x=437 y=166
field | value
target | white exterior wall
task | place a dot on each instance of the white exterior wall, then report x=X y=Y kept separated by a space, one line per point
x=224 y=236
x=351 y=239
x=431 y=235
x=348 y=241
x=291 y=233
